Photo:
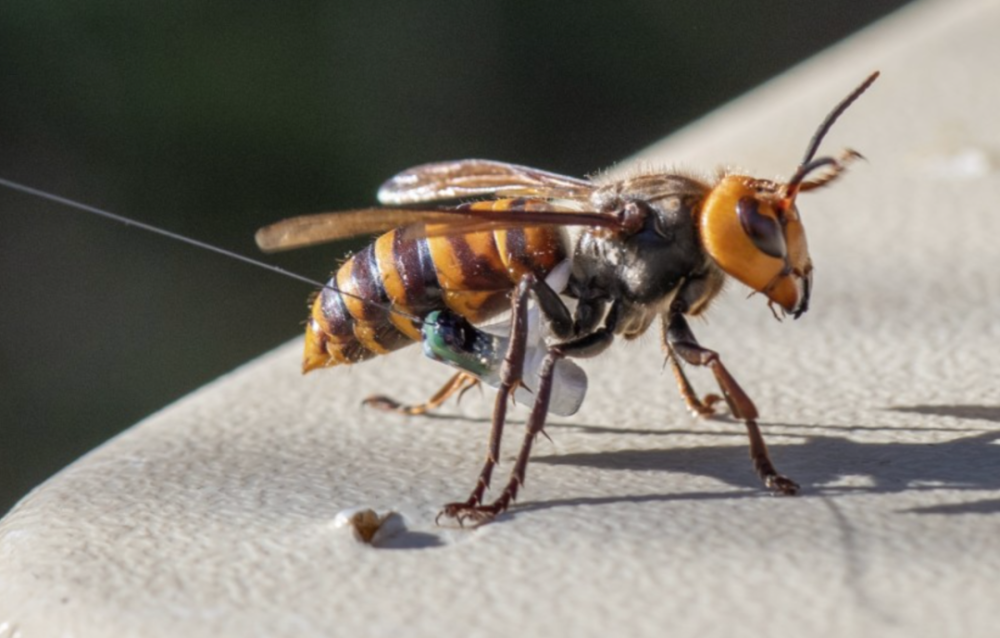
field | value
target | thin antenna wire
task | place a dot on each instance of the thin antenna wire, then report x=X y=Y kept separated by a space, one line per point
x=198 y=244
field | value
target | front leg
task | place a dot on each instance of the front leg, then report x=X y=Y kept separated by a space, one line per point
x=681 y=343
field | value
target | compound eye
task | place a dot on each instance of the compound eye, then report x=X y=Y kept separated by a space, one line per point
x=763 y=231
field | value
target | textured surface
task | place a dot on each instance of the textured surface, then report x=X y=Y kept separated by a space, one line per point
x=216 y=516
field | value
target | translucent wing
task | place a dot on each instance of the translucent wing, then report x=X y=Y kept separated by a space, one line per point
x=308 y=230
x=478 y=178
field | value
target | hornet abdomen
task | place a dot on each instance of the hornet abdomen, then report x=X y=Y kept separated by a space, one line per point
x=417 y=270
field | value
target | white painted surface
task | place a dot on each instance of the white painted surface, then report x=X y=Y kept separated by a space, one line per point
x=215 y=516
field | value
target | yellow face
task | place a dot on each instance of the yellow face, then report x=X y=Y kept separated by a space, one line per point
x=755 y=235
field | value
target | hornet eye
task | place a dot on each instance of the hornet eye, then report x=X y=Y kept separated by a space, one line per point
x=763 y=231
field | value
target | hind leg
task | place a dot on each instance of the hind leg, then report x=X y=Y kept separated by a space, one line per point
x=459 y=383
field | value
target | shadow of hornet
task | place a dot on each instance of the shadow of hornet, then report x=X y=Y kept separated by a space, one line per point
x=968 y=463
x=982 y=412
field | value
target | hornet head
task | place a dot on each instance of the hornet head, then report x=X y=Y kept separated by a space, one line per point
x=752 y=229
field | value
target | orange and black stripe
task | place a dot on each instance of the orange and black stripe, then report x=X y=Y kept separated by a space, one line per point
x=417 y=272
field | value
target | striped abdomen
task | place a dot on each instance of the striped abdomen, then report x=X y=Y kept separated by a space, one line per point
x=471 y=274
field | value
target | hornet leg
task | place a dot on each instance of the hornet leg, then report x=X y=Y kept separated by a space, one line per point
x=682 y=343
x=536 y=422
x=587 y=346
x=510 y=379
x=459 y=383
x=698 y=406
x=561 y=324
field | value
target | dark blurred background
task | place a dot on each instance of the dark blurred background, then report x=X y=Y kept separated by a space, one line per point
x=213 y=119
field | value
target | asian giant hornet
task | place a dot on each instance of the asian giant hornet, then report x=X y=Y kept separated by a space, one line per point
x=657 y=245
